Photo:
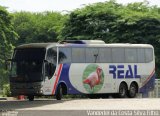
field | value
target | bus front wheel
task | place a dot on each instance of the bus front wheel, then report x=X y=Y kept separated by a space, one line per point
x=59 y=93
x=122 y=90
x=31 y=97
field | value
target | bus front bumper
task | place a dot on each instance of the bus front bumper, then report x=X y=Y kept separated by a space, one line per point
x=26 y=89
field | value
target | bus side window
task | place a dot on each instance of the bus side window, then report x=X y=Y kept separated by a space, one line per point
x=65 y=55
x=105 y=55
x=148 y=54
x=52 y=55
x=49 y=69
x=92 y=55
x=130 y=55
x=50 y=65
x=118 y=55
x=141 y=55
x=78 y=55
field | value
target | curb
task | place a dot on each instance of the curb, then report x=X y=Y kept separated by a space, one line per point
x=11 y=98
x=3 y=98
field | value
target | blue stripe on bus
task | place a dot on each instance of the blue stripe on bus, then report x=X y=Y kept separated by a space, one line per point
x=149 y=85
x=65 y=79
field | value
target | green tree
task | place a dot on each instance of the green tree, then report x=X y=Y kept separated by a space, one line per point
x=7 y=37
x=92 y=22
x=38 y=27
x=116 y=23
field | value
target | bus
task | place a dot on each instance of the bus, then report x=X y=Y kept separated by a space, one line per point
x=79 y=67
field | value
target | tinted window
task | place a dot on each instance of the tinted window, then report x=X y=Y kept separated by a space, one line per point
x=105 y=55
x=148 y=54
x=140 y=55
x=65 y=55
x=92 y=55
x=130 y=55
x=29 y=54
x=52 y=55
x=78 y=55
x=118 y=55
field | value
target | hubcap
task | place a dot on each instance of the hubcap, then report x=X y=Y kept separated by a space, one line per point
x=122 y=91
x=132 y=91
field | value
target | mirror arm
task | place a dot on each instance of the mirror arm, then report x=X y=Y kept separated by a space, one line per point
x=6 y=63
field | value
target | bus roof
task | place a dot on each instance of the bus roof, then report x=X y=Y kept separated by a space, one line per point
x=37 y=45
x=99 y=43
x=83 y=43
x=109 y=45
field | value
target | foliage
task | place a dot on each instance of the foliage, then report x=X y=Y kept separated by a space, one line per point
x=116 y=23
x=6 y=90
x=7 y=37
x=38 y=27
x=101 y=20
x=109 y=21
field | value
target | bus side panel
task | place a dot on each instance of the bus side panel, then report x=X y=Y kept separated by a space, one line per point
x=65 y=78
x=148 y=85
x=148 y=80
x=75 y=75
x=84 y=78
x=121 y=72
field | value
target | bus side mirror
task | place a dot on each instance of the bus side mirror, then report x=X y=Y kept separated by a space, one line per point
x=7 y=63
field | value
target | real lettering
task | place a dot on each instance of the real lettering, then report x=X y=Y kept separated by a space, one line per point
x=122 y=71
x=112 y=70
x=129 y=73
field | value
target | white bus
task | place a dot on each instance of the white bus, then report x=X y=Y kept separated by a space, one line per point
x=82 y=67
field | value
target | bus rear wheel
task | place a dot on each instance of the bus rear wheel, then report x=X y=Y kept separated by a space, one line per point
x=122 y=90
x=31 y=97
x=59 y=93
x=132 y=90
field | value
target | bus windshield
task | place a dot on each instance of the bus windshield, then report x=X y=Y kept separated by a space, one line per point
x=27 y=65
x=29 y=54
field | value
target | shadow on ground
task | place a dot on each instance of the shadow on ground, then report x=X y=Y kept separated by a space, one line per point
x=14 y=105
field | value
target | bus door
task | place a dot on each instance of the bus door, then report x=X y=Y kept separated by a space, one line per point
x=50 y=65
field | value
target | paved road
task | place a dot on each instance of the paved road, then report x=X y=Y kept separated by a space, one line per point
x=48 y=105
x=82 y=104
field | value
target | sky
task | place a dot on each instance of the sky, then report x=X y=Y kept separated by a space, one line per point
x=57 y=5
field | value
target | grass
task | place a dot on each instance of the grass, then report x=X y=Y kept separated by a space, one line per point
x=1 y=94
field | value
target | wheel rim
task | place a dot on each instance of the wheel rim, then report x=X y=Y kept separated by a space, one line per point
x=122 y=91
x=132 y=91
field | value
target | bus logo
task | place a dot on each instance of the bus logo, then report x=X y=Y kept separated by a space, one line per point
x=120 y=71
x=93 y=78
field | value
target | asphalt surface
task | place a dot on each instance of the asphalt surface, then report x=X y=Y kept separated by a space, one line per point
x=77 y=107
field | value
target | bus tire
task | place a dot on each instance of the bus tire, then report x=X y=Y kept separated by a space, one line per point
x=93 y=96
x=31 y=97
x=59 y=93
x=122 y=90
x=132 y=90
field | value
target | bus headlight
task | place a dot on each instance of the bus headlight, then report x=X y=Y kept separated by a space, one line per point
x=37 y=86
x=41 y=91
